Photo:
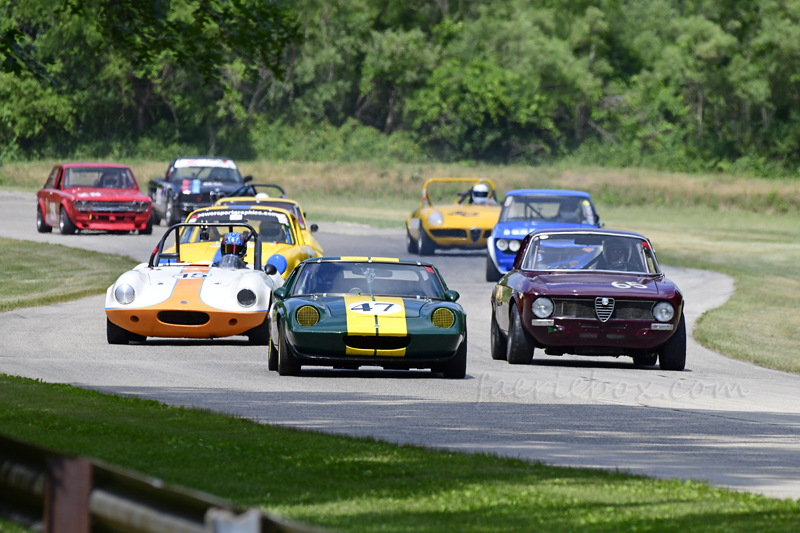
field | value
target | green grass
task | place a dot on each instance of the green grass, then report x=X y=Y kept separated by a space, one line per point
x=41 y=274
x=347 y=484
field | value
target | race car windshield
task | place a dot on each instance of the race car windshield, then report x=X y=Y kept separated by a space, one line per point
x=272 y=228
x=228 y=176
x=609 y=253
x=564 y=209
x=384 y=279
x=99 y=177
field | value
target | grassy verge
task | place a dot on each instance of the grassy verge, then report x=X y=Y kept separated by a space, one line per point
x=355 y=182
x=42 y=274
x=362 y=485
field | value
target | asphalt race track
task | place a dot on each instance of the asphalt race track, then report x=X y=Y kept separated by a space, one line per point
x=724 y=421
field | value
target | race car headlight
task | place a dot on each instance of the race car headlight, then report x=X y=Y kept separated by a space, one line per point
x=443 y=318
x=246 y=298
x=308 y=315
x=513 y=245
x=140 y=207
x=435 y=219
x=81 y=205
x=663 y=311
x=501 y=244
x=542 y=307
x=124 y=294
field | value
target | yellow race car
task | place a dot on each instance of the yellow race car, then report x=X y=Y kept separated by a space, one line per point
x=282 y=242
x=466 y=223
x=254 y=194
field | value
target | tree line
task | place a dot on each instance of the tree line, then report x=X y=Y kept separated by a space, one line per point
x=696 y=85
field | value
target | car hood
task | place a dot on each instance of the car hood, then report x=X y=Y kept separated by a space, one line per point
x=465 y=216
x=107 y=195
x=598 y=284
x=523 y=227
x=379 y=306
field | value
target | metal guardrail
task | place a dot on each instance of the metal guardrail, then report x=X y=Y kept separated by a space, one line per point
x=46 y=490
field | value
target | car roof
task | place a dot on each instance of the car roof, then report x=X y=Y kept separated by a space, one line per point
x=357 y=259
x=93 y=165
x=593 y=231
x=547 y=192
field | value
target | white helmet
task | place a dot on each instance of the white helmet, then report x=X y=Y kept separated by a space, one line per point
x=480 y=194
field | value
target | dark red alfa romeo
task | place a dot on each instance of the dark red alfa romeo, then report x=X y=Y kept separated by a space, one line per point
x=588 y=292
x=97 y=196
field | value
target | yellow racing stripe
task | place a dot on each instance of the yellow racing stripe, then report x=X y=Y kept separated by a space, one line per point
x=393 y=325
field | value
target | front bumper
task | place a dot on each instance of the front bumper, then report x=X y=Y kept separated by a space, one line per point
x=123 y=221
x=459 y=237
x=592 y=337
x=147 y=322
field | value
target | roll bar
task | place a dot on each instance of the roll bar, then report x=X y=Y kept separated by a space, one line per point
x=158 y=253
x=252 y=187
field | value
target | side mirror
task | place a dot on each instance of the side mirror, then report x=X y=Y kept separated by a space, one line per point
x=270 y=269
x=280 y=293
x=451 y=295
x=247 y=178
x=313 y=228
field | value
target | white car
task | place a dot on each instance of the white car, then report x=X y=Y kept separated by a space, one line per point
x=167 y=297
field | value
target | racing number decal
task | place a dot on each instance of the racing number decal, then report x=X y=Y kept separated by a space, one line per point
x=191 y=275
x=373 y=308
x=628 y=285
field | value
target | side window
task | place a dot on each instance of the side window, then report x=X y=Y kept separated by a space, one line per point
x=60 y=178
x=51 y=181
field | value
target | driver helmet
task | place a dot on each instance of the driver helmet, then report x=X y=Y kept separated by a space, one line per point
x=233 y=244
x=615 y=252
x=480 y=194
x=262 y=196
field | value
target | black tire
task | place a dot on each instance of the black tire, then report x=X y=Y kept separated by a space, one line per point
x=649 y=359
x=154 y=216
x=498 y=344
x=456 y=368
x=169 y=212
x=41 y=226
x=272 y=357
x=411 y=244
x=519 y=349
x=65 y=225
x=492 y=274
x=426 y=245
x=288 y=365
x=672 y=356
x=259 y=335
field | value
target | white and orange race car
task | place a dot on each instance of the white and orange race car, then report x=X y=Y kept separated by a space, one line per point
x=170 y=297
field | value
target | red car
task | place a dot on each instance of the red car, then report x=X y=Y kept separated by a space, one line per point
x=588 y=292
x=96 y=196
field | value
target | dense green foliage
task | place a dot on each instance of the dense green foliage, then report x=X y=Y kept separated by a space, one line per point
x=346 y=484
x=679 y=84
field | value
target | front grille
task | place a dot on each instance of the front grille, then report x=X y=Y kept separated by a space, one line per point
x=604 y=307
x=475 y=234
x=487 y=234
x=362 y=342
x=183 y=318
x=113 y=207
x=621 y=309
x=454 y=233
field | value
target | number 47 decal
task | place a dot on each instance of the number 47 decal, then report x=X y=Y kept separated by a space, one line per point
x=373 y=308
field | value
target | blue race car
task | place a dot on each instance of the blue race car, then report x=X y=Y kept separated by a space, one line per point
x=526 y=210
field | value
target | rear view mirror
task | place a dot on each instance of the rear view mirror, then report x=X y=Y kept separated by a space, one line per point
x=451 y=295
x=270 y=269
x=314 y=228
x=589 y=240
x=247 y=178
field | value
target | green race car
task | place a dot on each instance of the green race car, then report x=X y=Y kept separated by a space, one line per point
x=348 y=312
